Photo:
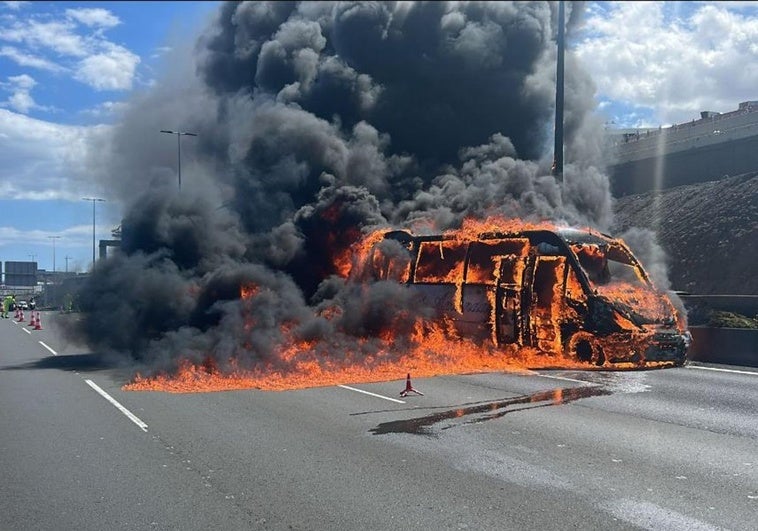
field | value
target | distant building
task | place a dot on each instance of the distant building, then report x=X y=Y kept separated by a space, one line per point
x=704 y=149
x=115 y=243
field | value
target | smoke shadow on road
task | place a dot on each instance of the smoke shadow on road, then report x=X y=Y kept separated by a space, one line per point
x=89 y=362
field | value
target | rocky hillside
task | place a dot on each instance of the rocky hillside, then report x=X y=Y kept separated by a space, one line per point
x=709 y=231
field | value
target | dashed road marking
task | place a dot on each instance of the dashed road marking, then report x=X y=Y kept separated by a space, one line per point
x=131 y=416
x=371 y=394
x=564 y=378
x=48 y=348
x=134 y=418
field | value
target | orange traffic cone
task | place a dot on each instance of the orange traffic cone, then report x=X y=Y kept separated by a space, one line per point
x=409 y=388
x=21 y=316
x=31 y=321
x=38 y=325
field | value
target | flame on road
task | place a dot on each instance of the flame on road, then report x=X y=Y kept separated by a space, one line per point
x=431 y=347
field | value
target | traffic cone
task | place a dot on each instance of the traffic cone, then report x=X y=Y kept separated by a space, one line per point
x=21 y=316
x=38 y=325
x=409 y=388
x=31 y=321
x=17 y=316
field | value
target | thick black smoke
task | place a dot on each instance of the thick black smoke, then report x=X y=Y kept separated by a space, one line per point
x=318 y=122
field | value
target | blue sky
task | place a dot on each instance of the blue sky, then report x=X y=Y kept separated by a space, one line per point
x=660 y=63
x=68 y=68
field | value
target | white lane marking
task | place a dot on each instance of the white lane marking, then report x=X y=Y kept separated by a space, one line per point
x=647 y=515
x=48 y=348
x=27 y=331
x=115 y=402
x=564 y=378
x=371 y=394
x=735 y=371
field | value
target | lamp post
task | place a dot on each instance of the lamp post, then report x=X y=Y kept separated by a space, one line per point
x=94 y=200
x=179 y=135
x=557 y=169
x=54 y=238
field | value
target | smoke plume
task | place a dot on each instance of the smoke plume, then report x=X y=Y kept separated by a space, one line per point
x=318 y=122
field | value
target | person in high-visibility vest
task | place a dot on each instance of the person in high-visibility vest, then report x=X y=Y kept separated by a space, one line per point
x=7 y=302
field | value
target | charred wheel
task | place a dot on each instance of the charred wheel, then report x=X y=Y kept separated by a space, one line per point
x=584 y=347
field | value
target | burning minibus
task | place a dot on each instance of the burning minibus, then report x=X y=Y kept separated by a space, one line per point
x=576 y=294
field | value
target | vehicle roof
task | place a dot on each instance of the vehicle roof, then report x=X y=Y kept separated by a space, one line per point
x=584 y=236
x=568 y=235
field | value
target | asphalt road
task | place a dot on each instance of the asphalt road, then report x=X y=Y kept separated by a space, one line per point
x=664 y=449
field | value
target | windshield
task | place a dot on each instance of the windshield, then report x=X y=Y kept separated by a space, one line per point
x=607 y=264
x=615 y=274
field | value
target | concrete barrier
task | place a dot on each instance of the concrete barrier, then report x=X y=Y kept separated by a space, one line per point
x=730 y=346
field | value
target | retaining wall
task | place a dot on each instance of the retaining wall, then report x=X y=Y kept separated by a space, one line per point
x=730 y=346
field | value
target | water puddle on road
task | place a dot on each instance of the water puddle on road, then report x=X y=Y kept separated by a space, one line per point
x=488 y=410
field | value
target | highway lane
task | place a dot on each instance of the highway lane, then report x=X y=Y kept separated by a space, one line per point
x=70 y=460
x=672 y=449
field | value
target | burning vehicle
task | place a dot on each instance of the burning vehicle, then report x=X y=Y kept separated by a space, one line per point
x=578 y=294
x=320 y=124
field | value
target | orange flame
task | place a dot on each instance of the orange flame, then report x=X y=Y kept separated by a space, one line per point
x=433 y=348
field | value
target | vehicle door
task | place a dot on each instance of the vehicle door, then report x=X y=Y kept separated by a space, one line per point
x=509 y=318
x=492 y=292
x=547 y=302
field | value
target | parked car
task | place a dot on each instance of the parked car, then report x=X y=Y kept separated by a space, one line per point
x=23 y=305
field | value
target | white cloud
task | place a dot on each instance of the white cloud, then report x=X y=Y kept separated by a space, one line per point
x=71 y=235
x=23 y=81
x=739 y=4
x=15 y=5
x=107 y=109
x=44 y=160
x=57 y=36
x=112 y=70
x=674 y=58
x=160 y=51
x=94 y=17
x=22 y=101
x=27 y=59
x=74 y=44
x=74 y=245
x=20 y=98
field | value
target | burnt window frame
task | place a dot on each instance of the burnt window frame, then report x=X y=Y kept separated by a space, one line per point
x=438 y=242
x=492 y=242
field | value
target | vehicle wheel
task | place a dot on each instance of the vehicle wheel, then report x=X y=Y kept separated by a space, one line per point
x=583 y=346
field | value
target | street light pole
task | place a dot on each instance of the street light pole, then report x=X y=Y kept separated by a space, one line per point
x=54 y=238
x=67 y=258
x=557 y=169
x=178 y=134
x=94 y=200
